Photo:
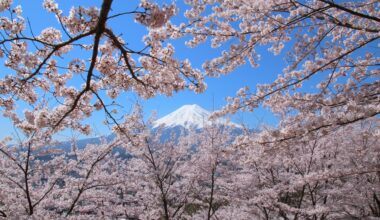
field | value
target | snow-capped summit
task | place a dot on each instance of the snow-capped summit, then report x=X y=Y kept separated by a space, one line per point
x=190 y=116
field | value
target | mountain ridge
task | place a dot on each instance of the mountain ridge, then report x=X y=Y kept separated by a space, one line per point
x=187 y=117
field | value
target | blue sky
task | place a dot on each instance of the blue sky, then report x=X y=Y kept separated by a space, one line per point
x=214 y=96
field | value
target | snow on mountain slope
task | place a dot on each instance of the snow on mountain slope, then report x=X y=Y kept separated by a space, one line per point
x=190 y=116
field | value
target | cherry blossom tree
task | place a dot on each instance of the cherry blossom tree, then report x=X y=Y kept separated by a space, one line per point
x=323 y=155
x=40 y=82
x=110 y=69
x=188 y=176
x=46 y=182
x=331 y=46
x=333 y=177
x=214 y=168
x=156 y=175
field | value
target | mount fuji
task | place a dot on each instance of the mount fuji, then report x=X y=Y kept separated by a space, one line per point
x=191 y=116
x=187 y=117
